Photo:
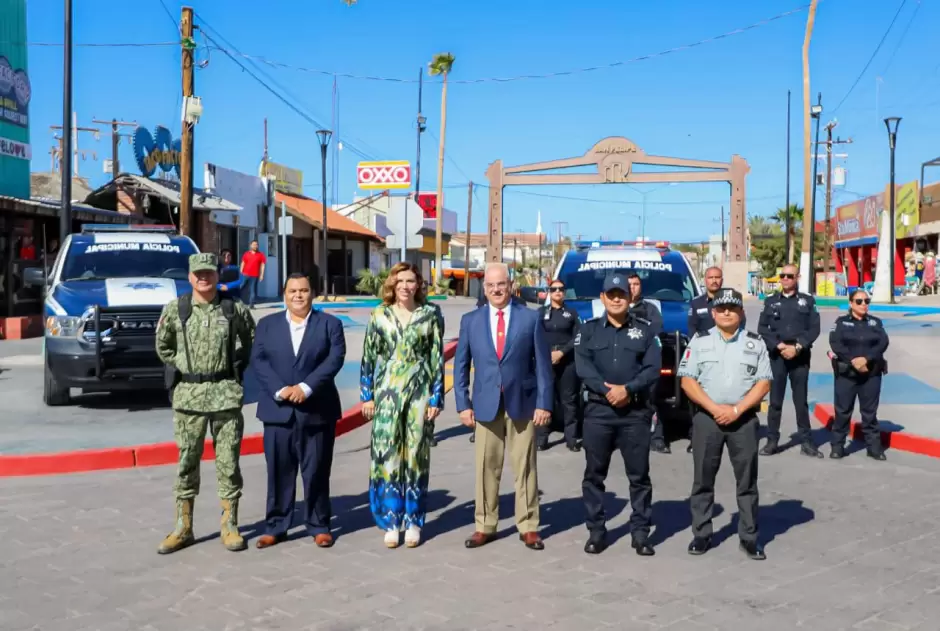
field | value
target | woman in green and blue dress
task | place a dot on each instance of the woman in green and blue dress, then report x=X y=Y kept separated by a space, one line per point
x=402 y=392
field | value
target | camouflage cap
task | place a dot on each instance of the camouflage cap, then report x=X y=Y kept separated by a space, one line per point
x=203 y=262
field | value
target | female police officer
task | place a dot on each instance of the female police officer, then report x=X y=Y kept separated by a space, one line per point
x=858 y=342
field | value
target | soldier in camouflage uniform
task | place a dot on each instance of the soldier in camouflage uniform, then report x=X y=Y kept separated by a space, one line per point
x=205 y=341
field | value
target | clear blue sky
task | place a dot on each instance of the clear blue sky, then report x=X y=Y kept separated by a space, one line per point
x=708 y=102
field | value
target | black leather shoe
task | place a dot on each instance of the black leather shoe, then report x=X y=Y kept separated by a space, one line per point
x=595 y=546
x=574 y=447
x=810 y=450
x=660 y=448
x=700 y=545
x=753 y=550
x=433 y=441
x=877 y=455
x=643 y=548
x=542 y=446
x=837 y=452
x=770 y=448
x=688 y=449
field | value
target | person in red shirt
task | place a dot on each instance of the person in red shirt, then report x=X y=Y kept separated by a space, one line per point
x=252 y=269
x=27 y=249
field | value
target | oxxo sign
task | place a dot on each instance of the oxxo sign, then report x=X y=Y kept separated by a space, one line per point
x=157 y=150
x=382 y=175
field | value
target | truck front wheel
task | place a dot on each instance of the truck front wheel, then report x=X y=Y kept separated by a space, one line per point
x=52 y=392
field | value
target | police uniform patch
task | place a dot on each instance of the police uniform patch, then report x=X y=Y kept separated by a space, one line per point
x=752 y=370
x=577 y=339
x=635 y=334
x=801 y=302
x=658 y=341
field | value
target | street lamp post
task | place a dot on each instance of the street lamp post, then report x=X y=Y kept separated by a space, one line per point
x=816 y=113
x=324 y=136
x=892 y=124
x=65 y=160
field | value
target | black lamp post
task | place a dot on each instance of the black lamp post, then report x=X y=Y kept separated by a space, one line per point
x=816 y=112
x=65 y=160
x=892 y=125
x=324 y=136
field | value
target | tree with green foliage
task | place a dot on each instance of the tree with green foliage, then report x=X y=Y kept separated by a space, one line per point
x=768 y=244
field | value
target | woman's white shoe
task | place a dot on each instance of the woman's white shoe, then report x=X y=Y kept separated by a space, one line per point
x=392 y=538
x=413 y=536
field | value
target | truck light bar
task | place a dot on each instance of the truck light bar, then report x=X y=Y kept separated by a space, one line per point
x=105 y=227
x=599 y=245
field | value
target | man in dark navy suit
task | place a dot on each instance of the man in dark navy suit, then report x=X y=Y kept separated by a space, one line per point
x=512 y=394
x=296 y=357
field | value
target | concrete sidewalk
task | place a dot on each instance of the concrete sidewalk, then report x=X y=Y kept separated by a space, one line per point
x=851 y=545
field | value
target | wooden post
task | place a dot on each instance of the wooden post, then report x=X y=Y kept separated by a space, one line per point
x=186 y=157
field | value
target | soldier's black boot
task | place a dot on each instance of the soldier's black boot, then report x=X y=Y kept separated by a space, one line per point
x=837 y=452
x=809 y=449
x=770 y=448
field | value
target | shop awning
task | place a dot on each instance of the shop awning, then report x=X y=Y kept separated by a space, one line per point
x=310 y=211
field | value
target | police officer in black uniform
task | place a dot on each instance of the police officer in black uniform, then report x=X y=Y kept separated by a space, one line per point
x=789 y=324
x=618 y=359
x=858 y=342
x=700 y=309
x=561 y=327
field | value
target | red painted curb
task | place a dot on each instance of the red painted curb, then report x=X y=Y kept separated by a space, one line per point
x=902 y=441
x=154 y=454
x=67 y=462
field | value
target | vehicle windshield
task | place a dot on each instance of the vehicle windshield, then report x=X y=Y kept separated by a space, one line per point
x=97 y=261
x=657 y=284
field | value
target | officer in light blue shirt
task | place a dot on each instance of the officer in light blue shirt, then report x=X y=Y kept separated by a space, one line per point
x=726 y=373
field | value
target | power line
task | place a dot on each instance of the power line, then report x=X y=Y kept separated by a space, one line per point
x=451 y=160
x=549 y=75
x=902 y=38
x=176 y=24
x=306 y=116
x=96 y=45
x=872 y=58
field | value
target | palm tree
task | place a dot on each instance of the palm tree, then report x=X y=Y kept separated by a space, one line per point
x=796 y=219
x=441 y=65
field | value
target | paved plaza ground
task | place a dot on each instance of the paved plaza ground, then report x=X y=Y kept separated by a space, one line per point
x=851 y=545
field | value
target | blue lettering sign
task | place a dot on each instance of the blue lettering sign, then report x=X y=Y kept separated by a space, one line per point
x=15 y=93
x=157 y=150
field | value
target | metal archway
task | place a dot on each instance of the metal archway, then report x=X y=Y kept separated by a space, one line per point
x=614 y=157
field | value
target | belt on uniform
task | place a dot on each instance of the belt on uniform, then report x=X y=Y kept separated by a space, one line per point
x=593 y=397
x=212 y=377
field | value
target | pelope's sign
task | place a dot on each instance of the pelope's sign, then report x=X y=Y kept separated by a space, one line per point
x=381 y=175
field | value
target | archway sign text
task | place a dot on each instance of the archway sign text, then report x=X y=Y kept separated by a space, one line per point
x=384 y=175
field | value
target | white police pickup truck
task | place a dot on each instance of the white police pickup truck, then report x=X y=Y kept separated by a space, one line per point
x=105 y=293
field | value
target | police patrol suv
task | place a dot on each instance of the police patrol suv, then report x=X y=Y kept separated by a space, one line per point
x=668 y=284
x=106 y=291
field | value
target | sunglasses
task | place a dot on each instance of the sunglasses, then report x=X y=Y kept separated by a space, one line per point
x=556 y=289
x=788 y=276
x=862 y=301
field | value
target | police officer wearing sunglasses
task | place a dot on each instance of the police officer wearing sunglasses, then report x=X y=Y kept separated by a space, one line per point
x=858 y=342
x=789 y=324
x=561 y=327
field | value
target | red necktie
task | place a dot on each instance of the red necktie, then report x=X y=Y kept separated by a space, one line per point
x=500 y=334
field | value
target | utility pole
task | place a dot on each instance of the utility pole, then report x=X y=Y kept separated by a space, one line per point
x=806 y=258
x=788 y=243
x=72 y=144
x=115 y=141
x=827 y=260
x=186 y=157
x=466 y=248
x=264 y=157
